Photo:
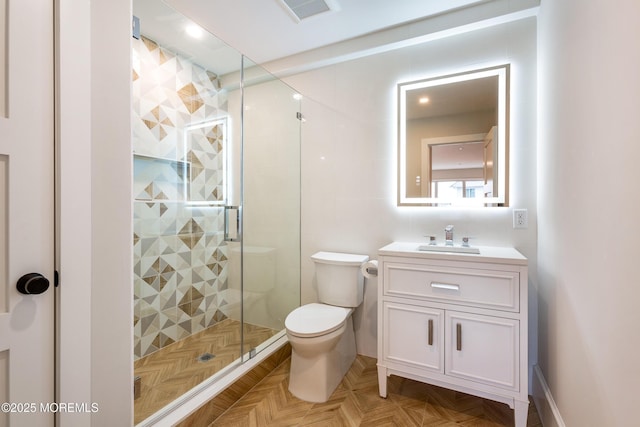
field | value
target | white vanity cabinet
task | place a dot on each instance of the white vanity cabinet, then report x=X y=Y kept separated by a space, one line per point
x=455 y=320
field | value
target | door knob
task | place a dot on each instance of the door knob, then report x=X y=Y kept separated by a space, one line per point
x=32 y=284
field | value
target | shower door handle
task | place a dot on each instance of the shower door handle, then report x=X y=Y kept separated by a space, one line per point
x=232 y=224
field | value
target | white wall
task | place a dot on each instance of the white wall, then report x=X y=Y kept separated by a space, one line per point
x=73 y=156
x=589 y=83
x=111 y=216
x=94 y=105
x=349 y=155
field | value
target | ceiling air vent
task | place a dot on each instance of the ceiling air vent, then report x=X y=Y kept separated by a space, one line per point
x=303 y=9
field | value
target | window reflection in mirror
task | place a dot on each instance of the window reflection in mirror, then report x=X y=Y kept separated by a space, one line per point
x=453 y=139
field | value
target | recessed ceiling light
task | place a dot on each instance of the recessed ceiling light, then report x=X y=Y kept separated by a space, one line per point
x=423 y=100
x=194 y=31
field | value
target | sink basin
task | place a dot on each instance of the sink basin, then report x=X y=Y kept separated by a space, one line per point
x=453 y=249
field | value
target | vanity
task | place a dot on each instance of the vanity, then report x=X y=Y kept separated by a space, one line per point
x=456 y=320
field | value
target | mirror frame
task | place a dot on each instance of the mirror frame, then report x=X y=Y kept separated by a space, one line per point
x=502 y=133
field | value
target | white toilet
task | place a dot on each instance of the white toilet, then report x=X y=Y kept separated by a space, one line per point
x=321 y=335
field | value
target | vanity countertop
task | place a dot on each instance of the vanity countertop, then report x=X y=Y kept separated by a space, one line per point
x=503 y=255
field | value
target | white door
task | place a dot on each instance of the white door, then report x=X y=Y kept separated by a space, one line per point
x=26 y=211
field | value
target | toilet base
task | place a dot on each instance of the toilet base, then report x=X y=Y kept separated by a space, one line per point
x=315 y=375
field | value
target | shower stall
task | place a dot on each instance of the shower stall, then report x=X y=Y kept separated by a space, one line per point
x=216 y=154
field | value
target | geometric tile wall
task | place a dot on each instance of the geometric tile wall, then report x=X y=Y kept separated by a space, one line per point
x=180 y=258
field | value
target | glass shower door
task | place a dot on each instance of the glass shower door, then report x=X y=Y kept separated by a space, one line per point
x=216 y=143
x=269 y=265
x=182 y=143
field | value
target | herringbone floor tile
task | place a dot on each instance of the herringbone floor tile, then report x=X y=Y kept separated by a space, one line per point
x=356 y=402
x=173 y=370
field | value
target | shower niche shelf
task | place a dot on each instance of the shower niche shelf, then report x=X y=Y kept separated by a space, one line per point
x=157 y=179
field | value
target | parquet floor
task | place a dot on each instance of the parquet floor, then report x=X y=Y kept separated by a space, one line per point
x=356 y=403
x=175 y=369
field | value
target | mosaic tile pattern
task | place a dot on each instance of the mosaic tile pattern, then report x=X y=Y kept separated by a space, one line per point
x=179 y=269
x=169 y=94
x=180 y=257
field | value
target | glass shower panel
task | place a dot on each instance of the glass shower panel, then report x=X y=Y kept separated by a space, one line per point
x=216 y=143
x=180 y=147
x=271 y=208
x=183 y=147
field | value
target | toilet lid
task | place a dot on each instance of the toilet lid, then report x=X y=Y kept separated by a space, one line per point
x=315 y=319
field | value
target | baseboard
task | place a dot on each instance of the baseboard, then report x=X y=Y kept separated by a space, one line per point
x=547 y=408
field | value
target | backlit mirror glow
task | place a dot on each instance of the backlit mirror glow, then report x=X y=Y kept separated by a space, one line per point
x=452 y=148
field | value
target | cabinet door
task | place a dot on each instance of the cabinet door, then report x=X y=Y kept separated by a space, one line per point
x=482 y=349
x=413 y=336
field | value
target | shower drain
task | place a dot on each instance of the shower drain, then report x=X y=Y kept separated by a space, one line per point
x=206 y=357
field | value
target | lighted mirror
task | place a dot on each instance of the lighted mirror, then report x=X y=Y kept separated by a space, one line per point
x=453 y=139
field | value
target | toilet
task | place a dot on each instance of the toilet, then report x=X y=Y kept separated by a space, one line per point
x=321 y=334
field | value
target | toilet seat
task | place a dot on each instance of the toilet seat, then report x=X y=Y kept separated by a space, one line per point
x=312 y=320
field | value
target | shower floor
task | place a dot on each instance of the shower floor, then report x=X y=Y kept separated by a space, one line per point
x=177 y=368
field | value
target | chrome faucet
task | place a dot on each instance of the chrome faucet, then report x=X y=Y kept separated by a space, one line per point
x=448 y=235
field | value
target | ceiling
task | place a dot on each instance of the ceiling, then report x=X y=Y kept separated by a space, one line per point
x=167 y=27
x=466 y=155
x=464 y=97
x=264 y=30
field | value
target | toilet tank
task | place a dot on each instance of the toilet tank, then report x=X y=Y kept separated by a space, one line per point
x=339 y=279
